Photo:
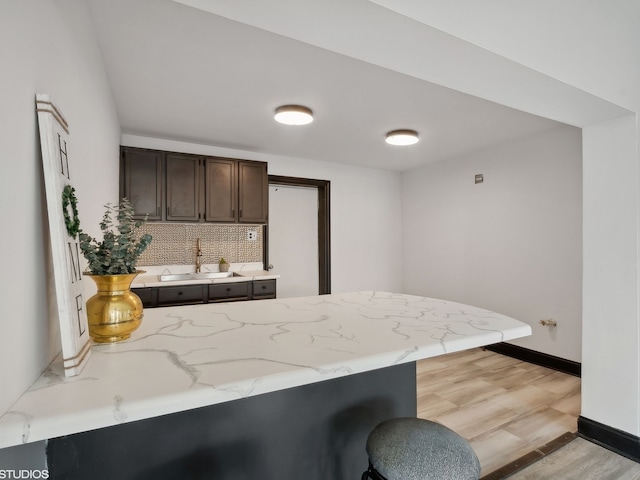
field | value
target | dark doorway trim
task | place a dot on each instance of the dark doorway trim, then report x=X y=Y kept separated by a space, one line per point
x=324 y=226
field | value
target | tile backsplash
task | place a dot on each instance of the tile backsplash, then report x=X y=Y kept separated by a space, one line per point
x=175 y=243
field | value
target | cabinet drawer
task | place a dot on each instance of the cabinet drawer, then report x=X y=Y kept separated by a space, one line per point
x=229 y=291
x=264 y=289
x=180 y=295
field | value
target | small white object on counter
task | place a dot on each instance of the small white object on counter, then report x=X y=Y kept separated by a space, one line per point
x=192 y=356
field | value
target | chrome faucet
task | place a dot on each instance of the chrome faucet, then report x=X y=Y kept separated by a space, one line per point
x=198 y=256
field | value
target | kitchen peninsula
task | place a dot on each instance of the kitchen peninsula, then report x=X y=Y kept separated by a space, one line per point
x=282 y=388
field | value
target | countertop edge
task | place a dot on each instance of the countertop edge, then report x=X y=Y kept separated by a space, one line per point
x=165 y=405
x=145 y=281
x=16 y=426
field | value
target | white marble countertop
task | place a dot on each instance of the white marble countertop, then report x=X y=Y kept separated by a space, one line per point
x=243 y=272
x=192 y=356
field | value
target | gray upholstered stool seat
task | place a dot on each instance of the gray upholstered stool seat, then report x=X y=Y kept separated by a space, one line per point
x=417 y=449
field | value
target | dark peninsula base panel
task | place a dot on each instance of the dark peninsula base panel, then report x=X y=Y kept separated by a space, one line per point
x=315 y=431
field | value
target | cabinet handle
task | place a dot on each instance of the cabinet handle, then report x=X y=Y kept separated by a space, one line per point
x=179 y=293
x=228 y=289
x=240 y=213
x=158 y=212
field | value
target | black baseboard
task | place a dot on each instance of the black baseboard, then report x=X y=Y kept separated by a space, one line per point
x=538 y=358
x=617 y=441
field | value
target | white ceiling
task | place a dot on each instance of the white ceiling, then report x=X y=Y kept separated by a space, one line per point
x=185 y=74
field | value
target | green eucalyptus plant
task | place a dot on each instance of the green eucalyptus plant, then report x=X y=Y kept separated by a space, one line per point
x=121 y=244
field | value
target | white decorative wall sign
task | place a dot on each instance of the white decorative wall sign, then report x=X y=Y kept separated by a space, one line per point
x=63 y=229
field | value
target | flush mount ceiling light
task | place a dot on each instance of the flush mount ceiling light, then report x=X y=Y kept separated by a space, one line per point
x=293 y=115
x=402 y=137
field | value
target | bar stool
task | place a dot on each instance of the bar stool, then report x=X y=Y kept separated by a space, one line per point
x=416 y=449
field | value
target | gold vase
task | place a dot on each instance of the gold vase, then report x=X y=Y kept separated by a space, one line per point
x=114 y=311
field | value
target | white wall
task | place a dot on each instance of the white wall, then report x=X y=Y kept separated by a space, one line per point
x=365 y=213
x=512 y=244
x=611 y=359
x=45 y=47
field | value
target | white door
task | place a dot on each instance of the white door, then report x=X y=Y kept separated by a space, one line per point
x=293 y=239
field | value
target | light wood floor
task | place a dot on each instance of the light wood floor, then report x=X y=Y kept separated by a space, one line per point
x=506 y=408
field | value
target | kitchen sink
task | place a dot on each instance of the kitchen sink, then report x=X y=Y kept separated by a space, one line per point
x=172 y=277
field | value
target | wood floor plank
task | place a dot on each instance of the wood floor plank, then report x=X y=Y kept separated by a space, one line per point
x=558 y=382
x=496 y=446
x=468 y=391
x=495 y=362
x=431 y=406
x=515 y=375
x=524 y=399
x=478 y=419
x=569 y=404
x=539 y=426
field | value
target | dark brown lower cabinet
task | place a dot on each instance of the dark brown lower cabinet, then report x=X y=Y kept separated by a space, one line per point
x=181 y=295
x=206 y=293
x=230 y=292
x=264 y=289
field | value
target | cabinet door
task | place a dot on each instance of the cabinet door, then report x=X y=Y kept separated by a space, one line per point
x=253 y=192
x=141 y=181
x=220 y=190
x=263 y=289
x=183 y=187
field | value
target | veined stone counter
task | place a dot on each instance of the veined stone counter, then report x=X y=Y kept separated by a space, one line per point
x=186 y=357
x=242 y=272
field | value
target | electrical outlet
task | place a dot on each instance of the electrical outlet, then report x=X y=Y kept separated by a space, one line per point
x=252 y=235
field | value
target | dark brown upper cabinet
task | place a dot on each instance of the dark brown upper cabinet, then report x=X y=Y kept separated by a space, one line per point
x=142 y=180
x=236 y=191
x=253 y=192
x=183 y=187
x=221 y=187
x=179 y=187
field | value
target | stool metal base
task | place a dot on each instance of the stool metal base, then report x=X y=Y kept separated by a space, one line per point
x=371 y=474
